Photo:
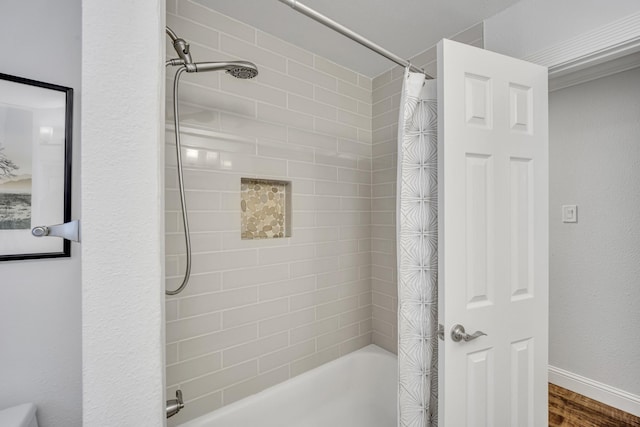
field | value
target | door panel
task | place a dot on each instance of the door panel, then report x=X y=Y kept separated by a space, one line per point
x=493 y=234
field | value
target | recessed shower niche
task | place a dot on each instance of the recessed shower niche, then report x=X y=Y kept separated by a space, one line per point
x=265 y=208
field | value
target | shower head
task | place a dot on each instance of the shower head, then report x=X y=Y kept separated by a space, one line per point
x=238 y=69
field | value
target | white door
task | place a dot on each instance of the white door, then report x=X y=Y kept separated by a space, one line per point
x=493 y=238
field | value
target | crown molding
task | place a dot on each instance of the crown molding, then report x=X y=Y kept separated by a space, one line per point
x=605 y=50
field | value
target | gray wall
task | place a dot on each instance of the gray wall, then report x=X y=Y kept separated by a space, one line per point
x=40 y=322
x=595 y=264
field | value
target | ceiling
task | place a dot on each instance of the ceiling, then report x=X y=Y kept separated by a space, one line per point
x=405 y=27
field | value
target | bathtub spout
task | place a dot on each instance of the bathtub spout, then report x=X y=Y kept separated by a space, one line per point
x=175 y=405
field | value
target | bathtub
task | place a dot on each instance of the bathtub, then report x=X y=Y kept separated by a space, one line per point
x=356 y=390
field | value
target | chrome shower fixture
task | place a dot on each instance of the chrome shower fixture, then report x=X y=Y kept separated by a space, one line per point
x=184 y=62
x=237 y=69
x=181 y=47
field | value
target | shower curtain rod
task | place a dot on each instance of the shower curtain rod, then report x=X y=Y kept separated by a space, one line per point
x=316 y=16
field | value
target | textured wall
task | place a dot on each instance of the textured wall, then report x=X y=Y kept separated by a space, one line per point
x=40 y=322
x=595 y=264
x=258 y=312
x=386 y=101
x=122 y=162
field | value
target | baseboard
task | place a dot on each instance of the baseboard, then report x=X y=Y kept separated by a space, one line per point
x=595 y=390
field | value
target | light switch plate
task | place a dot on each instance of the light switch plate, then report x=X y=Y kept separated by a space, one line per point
x=569 y=213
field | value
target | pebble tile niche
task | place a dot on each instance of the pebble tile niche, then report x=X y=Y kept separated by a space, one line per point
x=265 y=208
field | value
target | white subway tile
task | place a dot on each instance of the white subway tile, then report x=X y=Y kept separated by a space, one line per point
x=208 y=303
x=216 y=261
x=331 y=97
x=284 y=48
x=200 y=242
x=388 y=343
x=355 y=231
x=381 y=107
x=366 y=110
x=249 y=127
x=336 y=159
x=312 y=139
x=315 y=360
x=312 y=171
x=353 y=175
x=250 y=52
x=255 y=385
x=335 y=278
x=234 y=355
x=310 y=75
x=365 y=164
x=253 y=90
x=336 y=307
x=325 y=219
x=382 y=300
x=354 y=344
x=213 y=19
x=366 y=326
x=284 y=82
x=314 y=266
x=336 y=189
x=193 y=32
x=286 y=355
x=193 y=368
x=255 y=312
x=286 y=288
x=280 y=150
x=341 y=335
x=355 y=288
x=352 y=119
x=335 y=70
x=307 y=235
x=383 y=314
x=284 y=116
x=193 y=326
x=387 y=90
x=309 y=106
x=220 y=379
x=381 y=80
x=365 y=136
x=285 y=254
x=171 y=310
x=286 y=322
x=333 y=128
x=255 y=276
x=196 y=407
x=311 y=330
x=354 y=91
x=215 y=99
x=171 y=353
x=301 y=301
x=336 y=248
x=365 y=82
x=231 y=240
x=216 y=341
x=198 y=284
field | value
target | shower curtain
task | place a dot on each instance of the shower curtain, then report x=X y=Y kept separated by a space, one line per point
x=417 y=242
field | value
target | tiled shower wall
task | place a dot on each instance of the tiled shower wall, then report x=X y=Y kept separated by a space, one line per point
x=386 y=101
x=258 y=312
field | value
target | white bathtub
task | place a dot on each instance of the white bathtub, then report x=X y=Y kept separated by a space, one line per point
x=356 y=390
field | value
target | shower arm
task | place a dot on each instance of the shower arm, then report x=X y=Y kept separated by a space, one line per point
x=181 y=47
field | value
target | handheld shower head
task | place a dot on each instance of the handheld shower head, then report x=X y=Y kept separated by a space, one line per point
x=237 y=69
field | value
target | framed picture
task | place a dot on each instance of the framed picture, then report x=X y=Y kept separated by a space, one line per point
x=35 y=166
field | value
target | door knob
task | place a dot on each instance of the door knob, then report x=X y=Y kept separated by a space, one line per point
x=458 y=334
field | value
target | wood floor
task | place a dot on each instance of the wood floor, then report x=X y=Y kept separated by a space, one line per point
x=569 y=409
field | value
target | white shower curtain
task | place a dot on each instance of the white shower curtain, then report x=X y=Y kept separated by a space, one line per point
x=417 y=242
